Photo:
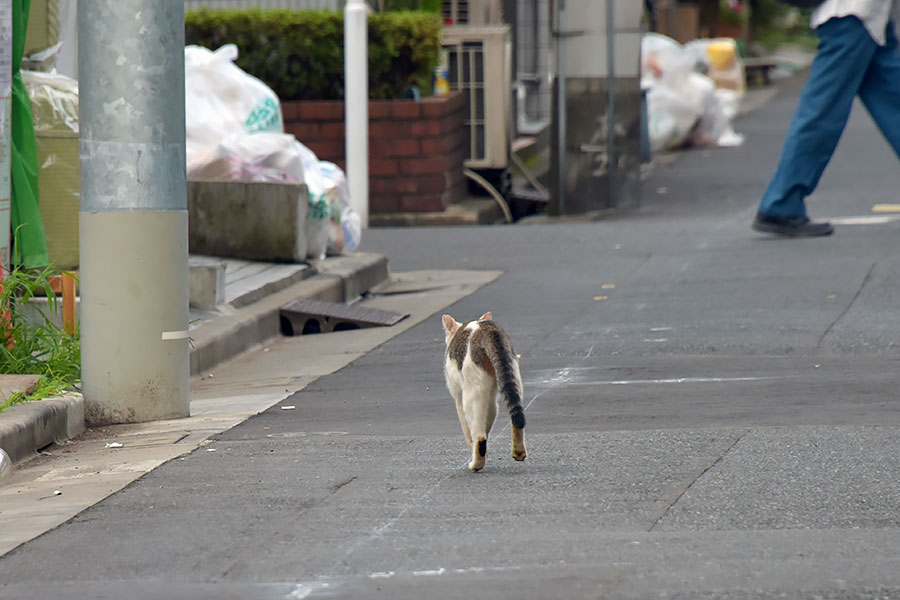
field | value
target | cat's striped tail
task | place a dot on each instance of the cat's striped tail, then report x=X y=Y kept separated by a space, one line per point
x=508 y=378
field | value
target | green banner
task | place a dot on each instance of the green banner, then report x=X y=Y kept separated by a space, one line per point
x=29 y=243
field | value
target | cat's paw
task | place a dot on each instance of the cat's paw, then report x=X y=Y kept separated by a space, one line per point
x=477 y=465
x=519 y=454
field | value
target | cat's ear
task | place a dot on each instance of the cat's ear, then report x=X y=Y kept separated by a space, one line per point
x=450 y=324
x=485 y=317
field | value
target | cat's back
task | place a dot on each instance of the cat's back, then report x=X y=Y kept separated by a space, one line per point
x=483 y=341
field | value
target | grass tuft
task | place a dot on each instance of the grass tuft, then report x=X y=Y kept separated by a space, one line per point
x=36 y=344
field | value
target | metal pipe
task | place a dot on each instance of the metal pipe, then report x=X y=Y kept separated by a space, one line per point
x=356 y=105
x=612 y=159
x=133 y=219
x=560 y=109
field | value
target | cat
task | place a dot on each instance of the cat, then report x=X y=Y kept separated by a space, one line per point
x=480 y=365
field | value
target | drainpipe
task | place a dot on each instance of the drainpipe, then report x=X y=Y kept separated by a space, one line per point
x=560 y=107
x=612 y=159
x=133 y=219
x=356 y=105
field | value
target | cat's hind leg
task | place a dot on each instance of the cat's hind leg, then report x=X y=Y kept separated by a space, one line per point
x=456 y=392
x=518 y=443
x=518 y=435
x=480 y=410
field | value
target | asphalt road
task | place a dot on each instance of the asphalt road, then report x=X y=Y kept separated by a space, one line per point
x=711 y=414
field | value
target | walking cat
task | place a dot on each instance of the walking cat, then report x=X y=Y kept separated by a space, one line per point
x=479 y=365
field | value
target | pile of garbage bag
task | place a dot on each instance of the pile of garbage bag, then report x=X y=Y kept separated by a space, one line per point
x=693 y=91
x=235 y=132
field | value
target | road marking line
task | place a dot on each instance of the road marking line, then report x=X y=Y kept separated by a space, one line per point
x=886 y=208
x=674 y=380
x=867 y=220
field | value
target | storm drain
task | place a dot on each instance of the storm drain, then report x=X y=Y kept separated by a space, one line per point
x=315 y=316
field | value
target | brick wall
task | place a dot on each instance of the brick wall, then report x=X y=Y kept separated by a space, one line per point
x=416 y=149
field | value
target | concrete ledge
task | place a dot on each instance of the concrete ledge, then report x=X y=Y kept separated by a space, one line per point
x=26 y=428
x=360 y=272
x=340 y=279
x=475 y=211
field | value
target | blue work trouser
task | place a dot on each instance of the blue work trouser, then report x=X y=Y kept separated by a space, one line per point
x=848 y=63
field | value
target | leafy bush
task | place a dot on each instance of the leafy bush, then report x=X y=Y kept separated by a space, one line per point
x=36 y=346
x=430 y=5
x=300 y=54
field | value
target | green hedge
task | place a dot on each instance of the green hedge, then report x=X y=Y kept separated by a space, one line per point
x=300 y=54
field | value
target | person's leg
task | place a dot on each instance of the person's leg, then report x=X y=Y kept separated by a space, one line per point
x=880 y=89
x=845 y=51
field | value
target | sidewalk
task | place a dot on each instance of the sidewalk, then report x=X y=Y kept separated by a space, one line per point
x=247 y=319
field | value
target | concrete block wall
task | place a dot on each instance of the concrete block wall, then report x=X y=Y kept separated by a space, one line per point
x=416 y=148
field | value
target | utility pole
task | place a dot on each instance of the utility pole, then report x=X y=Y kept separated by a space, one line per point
x=356 y=105
x=133 y=219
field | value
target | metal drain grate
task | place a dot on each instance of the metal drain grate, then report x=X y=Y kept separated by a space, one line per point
x=315 y=316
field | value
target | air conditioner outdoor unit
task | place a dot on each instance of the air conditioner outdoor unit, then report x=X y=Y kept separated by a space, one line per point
x=479 y=63
x=473 y=12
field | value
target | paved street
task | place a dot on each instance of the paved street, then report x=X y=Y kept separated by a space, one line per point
x=711 y=414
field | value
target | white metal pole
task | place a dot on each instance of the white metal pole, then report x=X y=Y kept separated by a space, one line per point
x=356 y=105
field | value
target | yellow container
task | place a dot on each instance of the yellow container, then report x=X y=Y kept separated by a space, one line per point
x=43 y=26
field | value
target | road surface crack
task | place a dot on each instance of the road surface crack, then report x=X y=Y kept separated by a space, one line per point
x=850 y=304
x=695 y=479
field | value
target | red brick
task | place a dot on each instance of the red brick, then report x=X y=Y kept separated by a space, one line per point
x=454 y=141
x=401 y=147
x=415 y=166
x=290 y=111
x=327 y=150
x=430 y=127
x=422 y=203
x=379 y=109
x=386 y=203
x=430 y=146
x=305 y=132
x=428 y=184
x=400 y=185
x=451 y=123
x=322 y=111
x=434 y=108
x=378 y=147
x=406 y=109
x=383 y=166
x=390 y=130
x=331 y=130
x=456 y=102
x=382 y=185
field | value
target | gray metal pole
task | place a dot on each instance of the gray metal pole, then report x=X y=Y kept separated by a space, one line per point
x=133 y=219
x=561 y=107
x=612 y=159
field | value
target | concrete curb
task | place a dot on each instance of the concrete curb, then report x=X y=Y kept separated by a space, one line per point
x=339 y=279
x=26 y=428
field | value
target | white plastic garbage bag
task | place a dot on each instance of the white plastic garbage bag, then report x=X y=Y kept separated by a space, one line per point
x=222 y=100
x=684 y=107
x=266 y=157
x=318 y=219
x=346 y=226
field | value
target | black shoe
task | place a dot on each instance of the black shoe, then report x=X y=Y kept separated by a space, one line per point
x=790 y=226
